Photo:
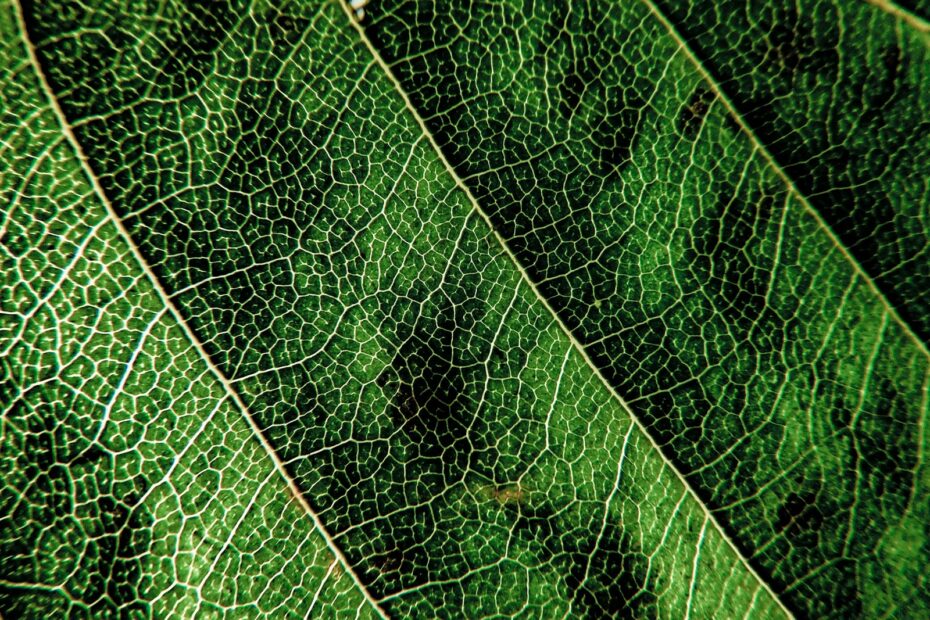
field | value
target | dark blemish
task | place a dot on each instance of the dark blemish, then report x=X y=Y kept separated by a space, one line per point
x=793 y=511
x=807 y=511
x=90 y=454
x=390 y=562
x=429 y=400
x=693 y=434
x=692 y=115
x=199 y=38
x=387 y=380
x=429 y=381
x=761 y=114
x=606 y=576
x=882 y=430
x=881 y=89
x=285 y=24
x=287 y=30
x=840 y=413
x=793 y=44
x=840 y=597
x=893 y=61
x=617 y=583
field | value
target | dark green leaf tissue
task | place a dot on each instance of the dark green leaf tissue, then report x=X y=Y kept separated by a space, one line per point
x=485 y=309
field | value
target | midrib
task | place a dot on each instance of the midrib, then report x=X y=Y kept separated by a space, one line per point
x=233 y=394
x=563 y=327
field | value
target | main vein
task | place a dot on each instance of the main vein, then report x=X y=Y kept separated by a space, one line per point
x=574 y=341
x=173 y=310
x=916 y=21
x=782 y=174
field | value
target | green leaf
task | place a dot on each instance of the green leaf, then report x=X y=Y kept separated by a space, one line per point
x=727 y=205
x=131 y=482
x=266 y=349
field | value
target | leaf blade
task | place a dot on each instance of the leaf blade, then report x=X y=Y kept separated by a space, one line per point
x=489 y=347
x=110 y=416
x=650 y=225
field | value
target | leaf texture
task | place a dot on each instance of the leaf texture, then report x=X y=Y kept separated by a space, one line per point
x=864 y=70
x=727 y=205
x=609 y=350
x=130 y=481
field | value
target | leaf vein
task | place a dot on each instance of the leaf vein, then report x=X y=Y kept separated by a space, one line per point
x=173 y=310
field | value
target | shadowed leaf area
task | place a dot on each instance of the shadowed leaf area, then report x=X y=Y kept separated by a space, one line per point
x=495 y=309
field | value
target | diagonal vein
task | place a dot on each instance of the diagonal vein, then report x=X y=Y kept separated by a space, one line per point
x=914 y=20
x=529 y=282
x=175 y=313
x=793 y=189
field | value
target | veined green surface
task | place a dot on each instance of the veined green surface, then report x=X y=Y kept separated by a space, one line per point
x=863 y=71
x=689 y=189
x=266 y=278
x=130 y=483
x=453 y=442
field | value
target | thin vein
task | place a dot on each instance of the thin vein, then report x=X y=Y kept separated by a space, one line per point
x=694 y=570
x=788 y=181
x=610 y=500
x=529 y=282
x=319 y=590
x=173 y=310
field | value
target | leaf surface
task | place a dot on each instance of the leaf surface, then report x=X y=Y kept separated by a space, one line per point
x=326 y=387
x=130 y=483
x=726 y=204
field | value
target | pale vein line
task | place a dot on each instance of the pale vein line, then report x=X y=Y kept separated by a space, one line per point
x=166 y=299
x=319 y=590
x=547 y=425
x=127 y=372
x=787 y=180
x=923 y=439
x=607 y=503
x=752 y=605
x=38 y=587
x=181 y=454
x=911 y=18
x=694 y=570
x=529 y=282
x=44 y=299
x=233 y=532
x=863 y=391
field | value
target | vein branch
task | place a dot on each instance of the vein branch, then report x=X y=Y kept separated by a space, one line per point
x=166 y=299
